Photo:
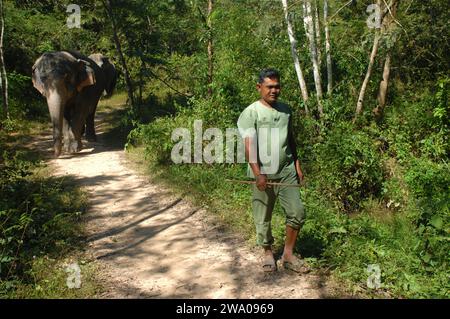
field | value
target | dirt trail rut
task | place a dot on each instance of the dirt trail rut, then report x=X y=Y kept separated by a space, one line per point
x=151 y=243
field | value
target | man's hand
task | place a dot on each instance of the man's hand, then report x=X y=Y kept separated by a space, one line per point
x=300 y=176
x=261 y=182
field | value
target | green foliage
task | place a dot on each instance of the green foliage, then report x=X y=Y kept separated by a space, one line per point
x=38 y=217
x=22 y=100
x=423 y=23
x=349 y=244
x=419 y=125
x=430 y=185
x=348 y=167
x=391 y=245
x=159 y=131
x=48 y=279
x=157 y=135
x=442 y=108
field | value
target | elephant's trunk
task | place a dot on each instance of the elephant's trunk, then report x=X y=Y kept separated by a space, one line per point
x=56 y=109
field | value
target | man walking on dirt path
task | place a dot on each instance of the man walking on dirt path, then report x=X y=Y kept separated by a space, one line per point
x=270 y=149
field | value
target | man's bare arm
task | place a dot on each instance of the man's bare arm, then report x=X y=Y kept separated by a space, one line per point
x=261 y=179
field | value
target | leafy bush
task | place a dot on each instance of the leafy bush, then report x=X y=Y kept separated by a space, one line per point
x=349 y=244
x=348 y=167
x=38 y=216
x=24 y=100
x=429 y=183
x=157 y=135
x=418 y=125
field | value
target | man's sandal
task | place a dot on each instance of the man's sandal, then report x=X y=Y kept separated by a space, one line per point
x=269 y=264
x=296 y=265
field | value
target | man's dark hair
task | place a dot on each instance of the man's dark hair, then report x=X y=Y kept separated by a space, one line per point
x=268 y=73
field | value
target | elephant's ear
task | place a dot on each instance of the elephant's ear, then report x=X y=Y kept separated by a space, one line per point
x=87 y=75
x=37 y=83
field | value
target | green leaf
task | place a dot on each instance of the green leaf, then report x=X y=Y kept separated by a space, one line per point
x=426 y=258
x=437 y=222
x=5 y=259
x=338 y=230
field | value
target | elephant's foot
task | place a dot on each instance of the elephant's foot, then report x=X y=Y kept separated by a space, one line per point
x=91 y=138
x=57 y=148
x=66 y=146
x=75 y=147
x=90 y=134
x=72 y=147
x=79 y=146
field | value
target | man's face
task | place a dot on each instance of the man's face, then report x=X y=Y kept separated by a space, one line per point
x=269 y=90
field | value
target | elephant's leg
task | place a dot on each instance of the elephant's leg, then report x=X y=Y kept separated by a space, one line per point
x=72 y=144
x=67 y=130
x=67 y=134
x=76 y=127
x=57 y=141
x=90 y=125
x=78 y=121
x=56 y=109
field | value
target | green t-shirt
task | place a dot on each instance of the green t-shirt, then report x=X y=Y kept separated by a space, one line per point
x=271 y=126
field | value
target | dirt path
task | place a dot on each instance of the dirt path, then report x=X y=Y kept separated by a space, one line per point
x=153 y=244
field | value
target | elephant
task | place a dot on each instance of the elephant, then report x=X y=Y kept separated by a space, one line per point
x=110 y=75
x=72 y=84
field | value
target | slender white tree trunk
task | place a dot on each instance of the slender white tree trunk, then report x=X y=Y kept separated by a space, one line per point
x=373 y=54
x=308 y=22
x=3 y=76
x=298 y=69
x=317 y=30
x=328 y=49
x=362 y=92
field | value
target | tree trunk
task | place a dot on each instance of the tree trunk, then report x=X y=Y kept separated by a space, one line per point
x=317 y=30
x=388 y=22
x=210 y=48
x=308 y=21
x=3 y=76
x=362 y=92
x=110 y=14
x=382 y=92
x=373 y=54
x=328 y=49
x=387 y=18
x=298 y=69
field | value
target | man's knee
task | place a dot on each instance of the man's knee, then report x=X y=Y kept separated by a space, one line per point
x=295 y=217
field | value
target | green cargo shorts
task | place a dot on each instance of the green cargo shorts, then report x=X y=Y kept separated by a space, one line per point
x=263 y=203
